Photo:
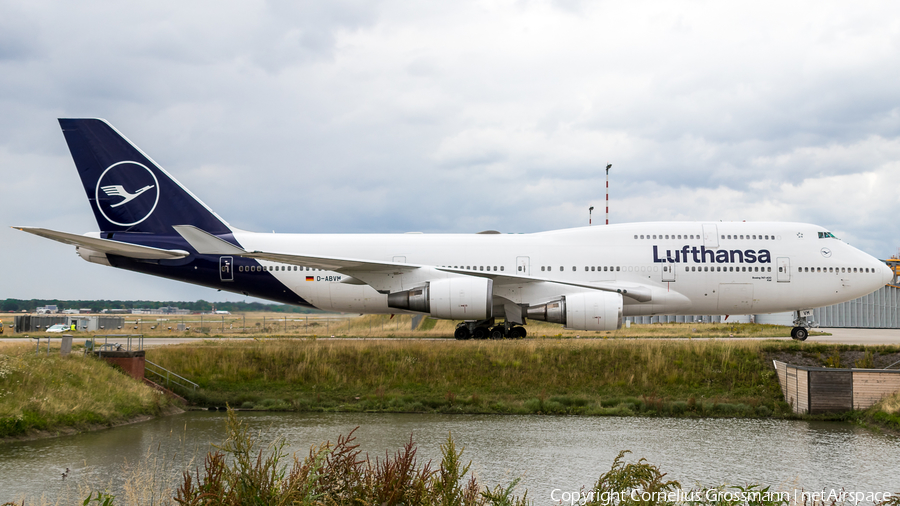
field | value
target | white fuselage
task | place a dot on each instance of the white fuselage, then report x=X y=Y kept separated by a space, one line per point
x=687 y=267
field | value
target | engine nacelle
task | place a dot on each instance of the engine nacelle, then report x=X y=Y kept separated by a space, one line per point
x=582 y=311
x=92 y=256
x=462 y=298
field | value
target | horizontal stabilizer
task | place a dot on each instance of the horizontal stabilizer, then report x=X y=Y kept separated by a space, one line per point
x=107 y=245
x=206 y=243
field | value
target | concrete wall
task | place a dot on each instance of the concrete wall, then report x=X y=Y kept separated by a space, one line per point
x=132 y=362
x=878 y=310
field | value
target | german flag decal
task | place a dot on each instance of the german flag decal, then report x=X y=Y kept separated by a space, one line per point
x=310 y=278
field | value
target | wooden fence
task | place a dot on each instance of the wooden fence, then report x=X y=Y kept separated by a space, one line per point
x=822 y=390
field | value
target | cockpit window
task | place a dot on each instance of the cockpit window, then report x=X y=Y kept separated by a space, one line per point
x=826 y=235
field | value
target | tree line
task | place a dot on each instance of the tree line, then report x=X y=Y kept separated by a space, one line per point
x=29 y=305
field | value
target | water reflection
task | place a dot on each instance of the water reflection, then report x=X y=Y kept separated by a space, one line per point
x=548 y=452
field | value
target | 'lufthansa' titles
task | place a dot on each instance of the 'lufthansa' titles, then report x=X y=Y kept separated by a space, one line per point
x=701 y=255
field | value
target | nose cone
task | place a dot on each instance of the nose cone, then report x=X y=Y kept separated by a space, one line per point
x=887 y=274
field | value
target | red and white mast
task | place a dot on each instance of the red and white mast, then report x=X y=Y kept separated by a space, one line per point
x=608 y=166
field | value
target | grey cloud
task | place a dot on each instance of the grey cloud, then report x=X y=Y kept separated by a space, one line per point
x=389 y=117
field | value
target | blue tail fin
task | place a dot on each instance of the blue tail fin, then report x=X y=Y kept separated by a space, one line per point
x=128 y=191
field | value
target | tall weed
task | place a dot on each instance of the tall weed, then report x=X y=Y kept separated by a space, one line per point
x=240 y=472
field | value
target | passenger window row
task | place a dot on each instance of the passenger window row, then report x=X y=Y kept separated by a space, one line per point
x=269 y=268
x=592 y=268
x=727 y=268
x=835 y=269
x=753 y=237
x=480 y=268
x=667 y=236
x=603 y=268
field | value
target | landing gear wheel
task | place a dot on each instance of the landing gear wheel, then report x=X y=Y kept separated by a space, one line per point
x=498 y=332
x=517 y=333
x=462 y=333
x=481 y=333
x=803 y=321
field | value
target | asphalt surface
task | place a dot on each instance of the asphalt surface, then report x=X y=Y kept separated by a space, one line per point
x=839 y=336
x=858 y=336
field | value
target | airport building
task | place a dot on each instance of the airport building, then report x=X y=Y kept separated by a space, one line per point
x=877 y=310
x=84 y=323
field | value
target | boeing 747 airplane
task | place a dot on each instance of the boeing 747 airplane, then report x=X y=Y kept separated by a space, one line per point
x=584 y=278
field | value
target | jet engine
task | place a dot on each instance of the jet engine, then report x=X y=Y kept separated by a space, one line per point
x=460 y=298
x=581 y=311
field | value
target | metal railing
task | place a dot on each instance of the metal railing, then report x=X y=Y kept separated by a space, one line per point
x=169 y=377
x=133 y=342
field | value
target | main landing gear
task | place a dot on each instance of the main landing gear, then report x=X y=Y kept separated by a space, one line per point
x=802 y=323
x=484 y=329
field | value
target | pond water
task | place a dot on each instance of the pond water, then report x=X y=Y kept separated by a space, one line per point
x=547 y=452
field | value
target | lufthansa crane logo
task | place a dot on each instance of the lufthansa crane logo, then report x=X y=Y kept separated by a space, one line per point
x=826 y=252
x=127 y=193
x=120 y=191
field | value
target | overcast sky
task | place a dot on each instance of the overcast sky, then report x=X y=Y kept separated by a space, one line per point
x=370 y=116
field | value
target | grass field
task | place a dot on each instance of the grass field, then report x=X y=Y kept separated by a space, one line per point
x=544 y=376
x=256 y=323
x=275 y=324
x=49 y=392
x=531 y=376
x=884 y=414
x=680 y=377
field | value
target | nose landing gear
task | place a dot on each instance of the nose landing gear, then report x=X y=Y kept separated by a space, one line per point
x=802 y=323
x=799 y=333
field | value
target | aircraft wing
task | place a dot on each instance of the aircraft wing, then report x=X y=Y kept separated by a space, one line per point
x=634 y=291
x=107 y=245
x=208 y=244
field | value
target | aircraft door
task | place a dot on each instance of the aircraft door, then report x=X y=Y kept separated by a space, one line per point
x=523 y=266
x=710 y=235
x=735 y=298
x=784 y=269
x=226 y=268
x=668 y=273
